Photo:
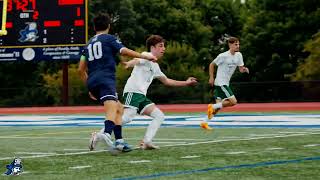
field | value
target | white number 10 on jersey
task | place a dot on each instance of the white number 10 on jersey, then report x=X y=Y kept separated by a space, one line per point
x=95 y=51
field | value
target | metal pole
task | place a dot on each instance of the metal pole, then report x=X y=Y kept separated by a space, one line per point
x=65 y=96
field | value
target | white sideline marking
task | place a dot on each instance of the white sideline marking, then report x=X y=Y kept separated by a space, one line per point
x=189 y=157
x=67 y=132
x=311 y=145
x=31 y=137
x=263 y=135
x=169 y=139
x=51 y=155
x=168 y=142
x=233 y=153
x=36 y=153
x=291 y=132
x=188 y=144
x=62 y=138
x=141 y=161
x=245 y=139
x=275 y=148
x=79 y=167
x=229 y=137
x=75 y=149
x=313 y=129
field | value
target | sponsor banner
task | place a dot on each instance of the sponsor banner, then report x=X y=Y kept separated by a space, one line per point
x=40 y=53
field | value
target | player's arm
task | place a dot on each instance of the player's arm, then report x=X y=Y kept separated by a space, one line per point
x=243 y=69
x=211 y=73
x=82 y=69
x=171 y=82
x=128 y=52
x=131 y=63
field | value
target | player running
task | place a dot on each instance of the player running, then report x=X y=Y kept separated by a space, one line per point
x=227 y=63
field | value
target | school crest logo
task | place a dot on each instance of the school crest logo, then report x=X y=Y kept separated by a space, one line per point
x=14 y=168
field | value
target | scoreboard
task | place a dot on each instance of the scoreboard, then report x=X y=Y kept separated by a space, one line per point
x=44 y=30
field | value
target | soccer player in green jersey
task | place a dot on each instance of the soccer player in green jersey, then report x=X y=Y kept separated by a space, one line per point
x=226 y=62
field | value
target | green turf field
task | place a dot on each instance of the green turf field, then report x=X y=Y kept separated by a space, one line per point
x=186 y=153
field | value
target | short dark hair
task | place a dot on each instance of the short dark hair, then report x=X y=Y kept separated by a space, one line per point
x=101 y=22
x=153 y=40
x=232 y=40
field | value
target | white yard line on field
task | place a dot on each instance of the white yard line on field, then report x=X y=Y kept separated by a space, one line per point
x=35 y=153
x=189 y=157
x=263 y=135
x=79 y=167
x=75 y=149
x=32 y=137
x=170 y=139
x=187 y=144
x=140 y=161
x=169 y=142
x=246 y=139
x=274 y=148
x=292 y=132
x=311 y=145
x=51 y=133
x=237 y=152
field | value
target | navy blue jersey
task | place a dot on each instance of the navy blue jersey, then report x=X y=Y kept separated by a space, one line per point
x=100 y=54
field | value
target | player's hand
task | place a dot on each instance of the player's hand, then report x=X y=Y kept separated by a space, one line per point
x=192 y=81
x=149 y=56
x=246 y=70
x=125 y=64
x=211 y=82
x=92 y=97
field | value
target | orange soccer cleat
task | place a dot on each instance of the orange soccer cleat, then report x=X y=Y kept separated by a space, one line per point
x=211 y=111
x=204 y=125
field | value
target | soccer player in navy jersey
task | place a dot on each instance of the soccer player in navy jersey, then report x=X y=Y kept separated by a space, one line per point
x=97 y=67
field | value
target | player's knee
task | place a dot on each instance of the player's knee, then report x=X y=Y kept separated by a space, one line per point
x=157 y=114
x=128 y=115
x=126 y=119
x=233 y=101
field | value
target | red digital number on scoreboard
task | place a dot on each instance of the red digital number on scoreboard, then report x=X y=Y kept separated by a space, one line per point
x=21 y=5
x=70 y=2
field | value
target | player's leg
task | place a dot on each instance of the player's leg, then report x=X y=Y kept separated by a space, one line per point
x=228 y=102
x=158 y=117
x=204 y=124
x=225 y=94
x=131 y=106
x=127 y=116
x=120 y=144
x=210 y=111
x=106 y=94
x=111 y=108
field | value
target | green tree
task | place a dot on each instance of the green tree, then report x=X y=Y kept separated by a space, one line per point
x=78 y=93
x=274 y=34
x=309 y=69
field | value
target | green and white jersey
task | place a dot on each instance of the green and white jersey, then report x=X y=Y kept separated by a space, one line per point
x=227 y=63
x=142 y=76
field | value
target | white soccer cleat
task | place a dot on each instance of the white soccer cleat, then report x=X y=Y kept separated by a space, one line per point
x=93 y=141
x=148 y=146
